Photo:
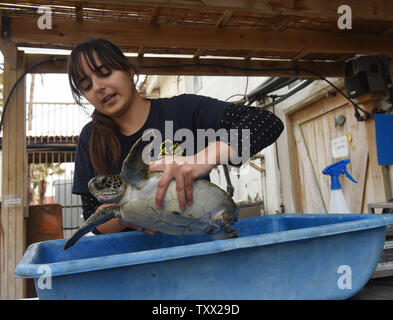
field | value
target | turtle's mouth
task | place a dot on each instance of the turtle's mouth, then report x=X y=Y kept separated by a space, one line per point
x=107 y=196
x=107 y=189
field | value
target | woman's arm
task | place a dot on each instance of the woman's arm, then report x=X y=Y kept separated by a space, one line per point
x=262 y=129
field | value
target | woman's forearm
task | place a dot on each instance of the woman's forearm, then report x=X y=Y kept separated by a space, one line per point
x=215 y=153
x=111 y=226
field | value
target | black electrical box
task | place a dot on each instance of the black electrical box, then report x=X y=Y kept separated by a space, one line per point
x=366 y=74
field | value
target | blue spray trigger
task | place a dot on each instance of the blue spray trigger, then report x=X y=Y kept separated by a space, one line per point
x=349 y=176
x=335 y=170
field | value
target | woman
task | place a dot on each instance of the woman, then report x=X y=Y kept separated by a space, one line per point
x=99 y=72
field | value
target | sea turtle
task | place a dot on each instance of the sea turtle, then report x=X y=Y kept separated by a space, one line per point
x=213 y=211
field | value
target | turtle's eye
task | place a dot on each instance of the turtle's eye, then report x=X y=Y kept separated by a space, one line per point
x=100 y=182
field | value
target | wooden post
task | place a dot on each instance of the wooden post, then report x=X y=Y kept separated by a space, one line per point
x=13 y=241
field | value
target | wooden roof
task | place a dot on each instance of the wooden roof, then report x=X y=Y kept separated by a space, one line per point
x=283 y=33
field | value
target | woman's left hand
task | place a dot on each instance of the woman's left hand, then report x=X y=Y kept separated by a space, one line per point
x=185 y=170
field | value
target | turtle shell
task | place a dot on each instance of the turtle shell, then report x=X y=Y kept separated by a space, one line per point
x=212 y=209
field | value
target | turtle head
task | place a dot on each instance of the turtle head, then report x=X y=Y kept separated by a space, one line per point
x=107 y=189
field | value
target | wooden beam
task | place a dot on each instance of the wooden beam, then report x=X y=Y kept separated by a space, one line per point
x=361 y=9
x=69 y=32
x=13 y=180
x=188 y=66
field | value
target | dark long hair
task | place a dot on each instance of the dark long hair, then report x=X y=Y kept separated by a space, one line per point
x=104 y=145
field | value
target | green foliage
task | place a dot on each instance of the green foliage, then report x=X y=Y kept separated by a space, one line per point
x=39 y=174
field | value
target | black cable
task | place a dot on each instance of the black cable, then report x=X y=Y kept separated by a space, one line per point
x=356 y=106
x=51 y=60
x=230 y=188
x=245 y=91
x=289 y=94
x=275 y=85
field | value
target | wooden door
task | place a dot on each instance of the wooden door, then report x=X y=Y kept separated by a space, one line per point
x=311 y=131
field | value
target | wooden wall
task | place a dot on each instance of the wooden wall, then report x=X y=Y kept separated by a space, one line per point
x=310 y=132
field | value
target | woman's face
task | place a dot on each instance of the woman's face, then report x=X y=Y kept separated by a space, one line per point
x=110 y=91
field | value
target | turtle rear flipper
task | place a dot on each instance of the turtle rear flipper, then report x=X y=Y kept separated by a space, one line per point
x=99 y=217
x=225 y=219
x=135 y=169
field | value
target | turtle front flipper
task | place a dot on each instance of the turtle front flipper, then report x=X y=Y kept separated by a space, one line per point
x=101 y=216
x=135 y=169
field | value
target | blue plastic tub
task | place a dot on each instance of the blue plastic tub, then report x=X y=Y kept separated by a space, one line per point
x=299 y=256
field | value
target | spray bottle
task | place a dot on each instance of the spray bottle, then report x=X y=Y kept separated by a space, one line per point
x=337 y=200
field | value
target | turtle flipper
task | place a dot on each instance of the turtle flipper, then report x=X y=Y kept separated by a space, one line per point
x=225 y=219
x=135 y=167
x=99 y=217
x=236 y=213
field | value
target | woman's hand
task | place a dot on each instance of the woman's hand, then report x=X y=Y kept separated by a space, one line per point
x=186 y=169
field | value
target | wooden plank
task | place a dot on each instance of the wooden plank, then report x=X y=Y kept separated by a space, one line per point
x=301 y=185
x=13 y=182
x=321 y=144
x=361 y=9
x=203 y=66
x=332 y=102
x=12 y=191
x=358 y=153
x=68 y=32
x=306 y=130
x=21 y=174
x=224 y=18
x=5 y=166
x=310 y=181
x=294 y=167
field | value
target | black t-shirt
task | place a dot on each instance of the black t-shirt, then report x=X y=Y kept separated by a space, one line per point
x=186 y=111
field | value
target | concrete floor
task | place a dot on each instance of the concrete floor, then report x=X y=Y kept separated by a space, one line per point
x=376 y=289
